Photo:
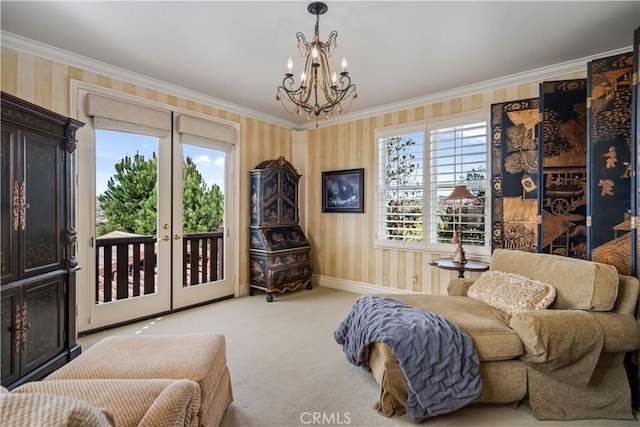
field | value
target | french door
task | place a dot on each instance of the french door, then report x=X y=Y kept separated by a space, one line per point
x=199 y=233
x=152 y=201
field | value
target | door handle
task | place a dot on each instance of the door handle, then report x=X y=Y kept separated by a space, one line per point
x=176 y=237
x=165 y=237
x=20 y=206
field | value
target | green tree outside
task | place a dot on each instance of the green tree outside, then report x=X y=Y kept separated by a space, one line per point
x=129 y=202
x=404 y=204
x=202 y=207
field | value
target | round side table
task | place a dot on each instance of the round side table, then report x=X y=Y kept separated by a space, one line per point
x=470 y=265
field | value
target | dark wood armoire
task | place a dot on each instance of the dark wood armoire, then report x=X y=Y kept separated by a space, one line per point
x=279 y=252
x=37 y=257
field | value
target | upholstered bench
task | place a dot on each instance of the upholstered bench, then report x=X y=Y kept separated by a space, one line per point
x=568 y=358
x=197 y=357
x=504 y=379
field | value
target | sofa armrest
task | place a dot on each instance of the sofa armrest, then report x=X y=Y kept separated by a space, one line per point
x=565 y=344
x=177 y=405
x=621 y=332
x=128 y=401
x=459 y=287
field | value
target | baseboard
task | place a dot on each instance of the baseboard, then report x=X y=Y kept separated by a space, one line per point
x=353 y=286
x=243 y=290
x=341 y=285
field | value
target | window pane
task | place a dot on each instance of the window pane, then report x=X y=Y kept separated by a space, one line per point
x=400 y=196
x=126 y=214
x=458 y=157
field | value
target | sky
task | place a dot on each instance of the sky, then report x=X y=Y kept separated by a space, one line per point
x=112 y=146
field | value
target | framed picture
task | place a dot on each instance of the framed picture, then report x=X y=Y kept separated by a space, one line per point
x=343 y=191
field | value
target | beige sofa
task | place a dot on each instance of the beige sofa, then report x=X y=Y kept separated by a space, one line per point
x=568 y=359
x=144 y=403
x=172 y=380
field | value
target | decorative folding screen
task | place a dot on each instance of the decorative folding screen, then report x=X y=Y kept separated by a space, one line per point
x=635 y=160
x=514 y=158
x=563 y=162
x=609 y=159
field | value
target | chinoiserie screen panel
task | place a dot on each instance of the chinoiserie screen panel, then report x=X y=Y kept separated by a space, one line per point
x=635 y=159
x=515 y=179
x=609 y=155
x=563 y=165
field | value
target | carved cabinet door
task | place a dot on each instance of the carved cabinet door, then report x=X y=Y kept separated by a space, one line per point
x=288 y=197
x=9 y=227
x=32 y=204
x=10 y=342
x=43 y=305
x=42 y=213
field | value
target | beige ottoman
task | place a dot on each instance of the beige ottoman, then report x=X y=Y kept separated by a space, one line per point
x=197 y=357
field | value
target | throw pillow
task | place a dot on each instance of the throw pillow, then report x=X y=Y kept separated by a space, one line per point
x=512 y=293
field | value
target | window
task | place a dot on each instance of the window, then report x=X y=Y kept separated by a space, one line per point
x=418 y=167
x=401 y=186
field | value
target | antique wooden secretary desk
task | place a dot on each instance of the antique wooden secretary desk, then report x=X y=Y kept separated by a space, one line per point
x=279 y=252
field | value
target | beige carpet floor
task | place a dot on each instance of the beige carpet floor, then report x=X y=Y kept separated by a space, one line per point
x=287 y=370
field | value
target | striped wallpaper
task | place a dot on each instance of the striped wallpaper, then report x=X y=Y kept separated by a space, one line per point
x=342 y=243
x=46 y=83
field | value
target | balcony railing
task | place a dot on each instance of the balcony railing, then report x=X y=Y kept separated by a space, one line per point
x=203 y=258
x=123 y=271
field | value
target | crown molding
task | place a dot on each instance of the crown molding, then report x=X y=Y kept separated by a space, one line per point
x=59 y=55
x=65 y=57
x=537 y=74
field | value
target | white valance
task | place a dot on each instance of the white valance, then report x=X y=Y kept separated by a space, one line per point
x=113 y=114
x=207 y=129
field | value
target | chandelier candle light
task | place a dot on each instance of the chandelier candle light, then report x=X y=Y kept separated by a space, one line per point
x=320 y=90
x=458 y=197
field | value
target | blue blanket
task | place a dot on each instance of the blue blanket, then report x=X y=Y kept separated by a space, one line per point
x=437 y=356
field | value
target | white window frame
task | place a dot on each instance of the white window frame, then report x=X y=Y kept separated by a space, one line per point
x=379 y=187
x=425 y=127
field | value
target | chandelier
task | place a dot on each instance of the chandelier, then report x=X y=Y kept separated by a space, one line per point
x=320 y=91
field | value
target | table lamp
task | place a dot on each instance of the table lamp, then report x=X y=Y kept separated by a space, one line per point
x=458 y=196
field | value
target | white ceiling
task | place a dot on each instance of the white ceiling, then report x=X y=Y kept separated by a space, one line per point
x=397 y=50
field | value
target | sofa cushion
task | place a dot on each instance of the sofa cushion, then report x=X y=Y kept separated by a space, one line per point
x=487 y=326
x=129 y=401
x=511 y=293
x=34 y=409
x=579 y=284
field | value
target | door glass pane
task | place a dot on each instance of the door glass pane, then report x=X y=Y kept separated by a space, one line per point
x=126 y=215
x=202 y=214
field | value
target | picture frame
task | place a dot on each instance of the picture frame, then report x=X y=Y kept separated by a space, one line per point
x=343 y=191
